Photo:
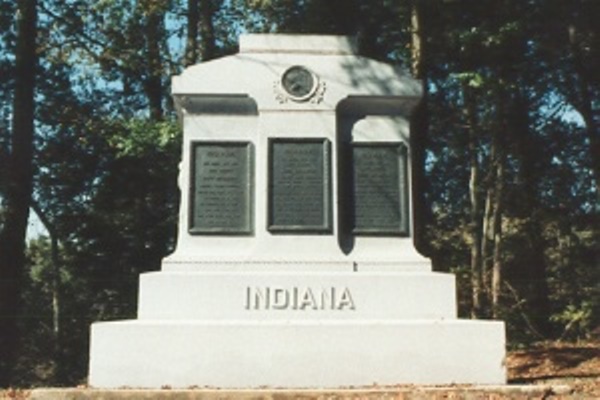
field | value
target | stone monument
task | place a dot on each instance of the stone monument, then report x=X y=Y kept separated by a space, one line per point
x=295 y=266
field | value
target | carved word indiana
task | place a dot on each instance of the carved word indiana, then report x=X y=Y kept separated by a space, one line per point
x=298 y=298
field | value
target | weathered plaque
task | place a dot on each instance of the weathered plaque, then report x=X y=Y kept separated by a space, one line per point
x=221 y=190
x=299 y=185
x=379 y=189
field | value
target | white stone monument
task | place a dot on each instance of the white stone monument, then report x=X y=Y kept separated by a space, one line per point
x=295 y=266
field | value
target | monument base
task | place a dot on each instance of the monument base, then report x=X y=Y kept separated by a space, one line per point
x=230 y=296
x=295 y=354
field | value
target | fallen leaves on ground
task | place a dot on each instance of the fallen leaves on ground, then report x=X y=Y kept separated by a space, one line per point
x=573 y=364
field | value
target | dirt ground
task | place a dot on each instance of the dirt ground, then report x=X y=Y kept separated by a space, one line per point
x=573 y=364
x=576 y=365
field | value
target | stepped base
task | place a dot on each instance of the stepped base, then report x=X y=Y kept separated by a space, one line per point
x=299 y=354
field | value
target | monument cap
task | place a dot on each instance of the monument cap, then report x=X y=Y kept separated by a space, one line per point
x=311 y=44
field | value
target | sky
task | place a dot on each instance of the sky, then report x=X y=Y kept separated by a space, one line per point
x=35 y=228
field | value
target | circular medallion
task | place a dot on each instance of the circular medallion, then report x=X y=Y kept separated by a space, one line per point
x=299 y=83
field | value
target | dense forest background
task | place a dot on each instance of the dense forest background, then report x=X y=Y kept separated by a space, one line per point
x=506 y=152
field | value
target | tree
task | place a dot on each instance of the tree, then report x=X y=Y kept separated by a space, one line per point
x=19 y=184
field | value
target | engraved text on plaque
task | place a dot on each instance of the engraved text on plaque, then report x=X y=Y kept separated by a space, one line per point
x=221 y=190
x=380 y=189
x=299 y=185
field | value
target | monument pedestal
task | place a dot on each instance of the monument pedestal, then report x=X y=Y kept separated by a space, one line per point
x=296 y=330
x=295 y=266
x=295 y=354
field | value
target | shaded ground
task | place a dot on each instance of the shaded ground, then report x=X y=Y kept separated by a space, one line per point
x=551 y=364
x=573 y=364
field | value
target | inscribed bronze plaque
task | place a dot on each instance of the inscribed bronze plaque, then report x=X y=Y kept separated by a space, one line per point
x=299 y=186
x=221 y=190
x=380 y=190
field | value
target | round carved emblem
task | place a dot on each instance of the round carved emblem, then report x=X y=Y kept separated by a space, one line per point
x=299 y=83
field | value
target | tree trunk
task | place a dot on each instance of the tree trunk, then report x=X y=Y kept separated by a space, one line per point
x=191 y=43
x=421 y=212
x=535 y=283
x=487 y=224
x=56 y=310
x=19 y=186
x=497 y=235
x=153 y=83
x=538 y=294
x=496 y=186
x=474 y=196
x=207 y=30
x=417 y=40
x=492 y=231
x=56 y=288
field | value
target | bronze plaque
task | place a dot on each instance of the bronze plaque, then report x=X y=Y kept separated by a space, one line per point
x=380 y=190
x=299 y=186
x=221 y=190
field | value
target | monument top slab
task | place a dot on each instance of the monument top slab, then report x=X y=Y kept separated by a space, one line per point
x=312 y=44
x=268 y=66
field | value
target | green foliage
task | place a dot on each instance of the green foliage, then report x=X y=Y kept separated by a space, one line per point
x=472 y=79
x=574 y=276
x=576 y=319
x=129 y=188
x=139 y=138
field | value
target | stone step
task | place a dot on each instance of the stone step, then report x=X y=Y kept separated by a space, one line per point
x=296 y=296
x=295 y=354
x=409 y=392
